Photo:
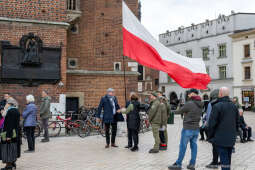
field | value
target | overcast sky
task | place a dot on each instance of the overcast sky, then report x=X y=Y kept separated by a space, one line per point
x=161 y=15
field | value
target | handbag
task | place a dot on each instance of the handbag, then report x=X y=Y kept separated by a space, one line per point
x=3 y=135
x=119 y=117
x=9 y=152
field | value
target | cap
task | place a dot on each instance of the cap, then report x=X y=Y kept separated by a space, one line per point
x=193 y=91
x=110 y=90
x=154 y=94
x=11 y=101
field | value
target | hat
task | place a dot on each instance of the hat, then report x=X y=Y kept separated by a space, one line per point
x=214 y=94
x=193 y=91
x=110 y=90
x=154 y=94
x=11 y=101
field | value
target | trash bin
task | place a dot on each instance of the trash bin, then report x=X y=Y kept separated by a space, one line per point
x=171 y=118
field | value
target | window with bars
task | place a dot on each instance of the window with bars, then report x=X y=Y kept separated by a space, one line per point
x=141 y=71
x=247 y=53
x=71 y=4
x=247 y=73
x=205 y=52
x=222 y=50
x=189 y=53
x=222 y=72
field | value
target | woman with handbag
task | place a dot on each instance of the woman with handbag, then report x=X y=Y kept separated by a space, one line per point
x=29 y=116
x=10 y=137
x=133 y=121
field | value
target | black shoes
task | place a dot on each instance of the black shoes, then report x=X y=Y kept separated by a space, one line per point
x=107 y=146
x=134 y=149
x=174 y=167
x=29 y=151
x=250 y=140
x=191 y=167
x=153 y=151
x=127 y=147
x=115 y=146
x=213 y=165
x=45 y=140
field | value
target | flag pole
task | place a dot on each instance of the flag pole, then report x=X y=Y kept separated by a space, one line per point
x=124 y=76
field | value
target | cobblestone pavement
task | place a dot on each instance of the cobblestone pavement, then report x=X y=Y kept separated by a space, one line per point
x=74 y=153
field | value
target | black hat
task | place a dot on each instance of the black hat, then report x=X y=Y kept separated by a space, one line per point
x=193 y=91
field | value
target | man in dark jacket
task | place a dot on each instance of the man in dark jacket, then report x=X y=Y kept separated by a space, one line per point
x=247 y=131
x=109 y=104
x=223 y=125
x=45 y=114
x=128 y=132
x=213 y=100
x=192 y=111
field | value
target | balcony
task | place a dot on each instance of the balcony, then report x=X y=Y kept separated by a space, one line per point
x=73 y=10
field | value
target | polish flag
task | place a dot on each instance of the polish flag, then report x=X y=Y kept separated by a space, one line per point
x=141 y=46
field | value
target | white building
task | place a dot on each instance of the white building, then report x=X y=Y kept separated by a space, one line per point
x=243 y=49
x=208 y=40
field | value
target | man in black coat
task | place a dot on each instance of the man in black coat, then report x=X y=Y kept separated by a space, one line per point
x=222 y=130
x=109 y=104
x=247 y=131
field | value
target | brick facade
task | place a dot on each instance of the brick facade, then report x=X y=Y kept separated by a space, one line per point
x=96 y=46
x=52 y=35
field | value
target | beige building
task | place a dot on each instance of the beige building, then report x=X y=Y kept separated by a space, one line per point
x=243 y=50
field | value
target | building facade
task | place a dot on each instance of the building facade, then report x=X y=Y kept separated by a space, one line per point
x=208 y=40
x=243 y=62
x=88 y=59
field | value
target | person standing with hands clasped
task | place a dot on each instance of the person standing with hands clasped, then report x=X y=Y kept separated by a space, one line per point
x=155 y=120
x=133 y=121
x=45 y=114
x=222 y=130
x=29 y=116
x=109 y=104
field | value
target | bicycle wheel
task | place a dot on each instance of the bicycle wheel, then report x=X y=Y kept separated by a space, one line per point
x=84 y=130
x=76 y=125
x=54 y=128
x=101 y=130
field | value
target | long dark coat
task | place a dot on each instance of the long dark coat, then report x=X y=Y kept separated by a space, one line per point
x=133 y=118
x=223 y=123
x=105 y=104
x=12 y=121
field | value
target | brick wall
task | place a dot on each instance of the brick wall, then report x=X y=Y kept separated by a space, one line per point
x=97 y=45
x=50 y=10
x=94 y=87
x=51 y=36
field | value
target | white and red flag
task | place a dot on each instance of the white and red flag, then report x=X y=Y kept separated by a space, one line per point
x=141 y=46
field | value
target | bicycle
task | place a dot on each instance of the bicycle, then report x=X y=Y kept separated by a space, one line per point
x=92 y=125
x=70 y=125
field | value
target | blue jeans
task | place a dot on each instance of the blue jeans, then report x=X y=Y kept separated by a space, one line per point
x=188 y=136
x=225 y=156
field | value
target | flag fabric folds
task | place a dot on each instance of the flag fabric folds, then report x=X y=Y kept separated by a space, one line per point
x=141 y=46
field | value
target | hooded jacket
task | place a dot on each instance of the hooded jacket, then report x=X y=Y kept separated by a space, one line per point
x=192 y=111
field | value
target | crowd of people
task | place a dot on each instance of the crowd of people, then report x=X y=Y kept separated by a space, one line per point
x=222 y=122
x=11 y=126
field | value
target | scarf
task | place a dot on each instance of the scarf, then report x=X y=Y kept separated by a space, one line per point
x=111 y=98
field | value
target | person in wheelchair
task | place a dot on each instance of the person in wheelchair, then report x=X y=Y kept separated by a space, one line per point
x=246 y=130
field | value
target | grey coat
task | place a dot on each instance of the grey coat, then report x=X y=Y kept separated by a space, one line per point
x=45 y=108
